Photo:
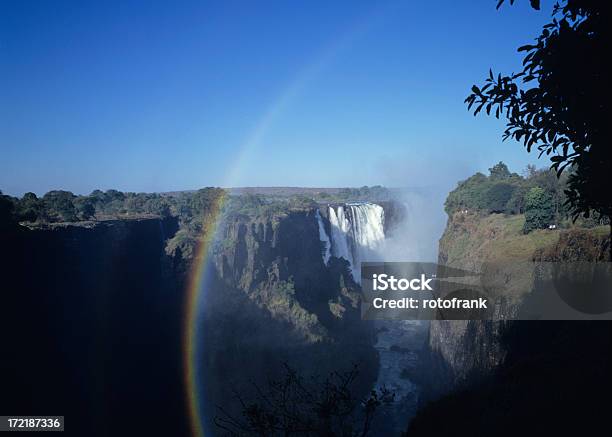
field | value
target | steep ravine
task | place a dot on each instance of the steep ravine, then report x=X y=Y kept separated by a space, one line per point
x=104 y=302
x=273 y=300
x=99 y=308
x=280 y=296
x=511 y=378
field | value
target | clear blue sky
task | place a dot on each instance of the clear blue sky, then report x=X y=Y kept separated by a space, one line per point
x=159 y=96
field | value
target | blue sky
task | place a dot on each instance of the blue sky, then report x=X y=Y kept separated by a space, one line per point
x=160 y=96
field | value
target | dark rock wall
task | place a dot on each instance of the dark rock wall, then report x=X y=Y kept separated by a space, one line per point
x=518 y=377
x=272 y=300
x=92 y=319
x=91 y=328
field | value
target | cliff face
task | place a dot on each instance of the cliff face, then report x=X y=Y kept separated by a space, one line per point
x=99 y=312
x=272 y=300
x=465 y=351
x=276 y=263
x=91 y=316
x=517 y=377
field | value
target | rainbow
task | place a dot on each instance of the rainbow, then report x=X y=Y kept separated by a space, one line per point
x=197 y=278
x=195 y=284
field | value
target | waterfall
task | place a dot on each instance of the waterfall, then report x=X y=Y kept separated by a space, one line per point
x=357 y=234
x=340 y=227
x=324 y=238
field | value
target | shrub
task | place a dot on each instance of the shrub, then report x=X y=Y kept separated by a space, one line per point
x=539 y=212
x=59 y=206
x=497 y=196
x=469 y=194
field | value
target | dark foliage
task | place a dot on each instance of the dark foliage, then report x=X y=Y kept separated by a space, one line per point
x=59 y=206
x=294 y=406
x=500 y=192
x=558 y=102
x=498 y=196
x=64 y=206
x=539 y=212
x=6 y=211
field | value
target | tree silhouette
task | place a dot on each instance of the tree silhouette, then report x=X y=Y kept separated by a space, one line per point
x=558 y=102
x=6 y=212
x=294 y=406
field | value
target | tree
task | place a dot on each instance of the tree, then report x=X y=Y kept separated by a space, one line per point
x=59 y=205
x=29 y=208
x=468 y=194
x=499 y=171
x=6 y=211
x=85 y=208
x=516 y=203
x=530 y=171
x=539 y=211
x=558 y=102
x=205 y=199
x=497 y=197
x=293 y=406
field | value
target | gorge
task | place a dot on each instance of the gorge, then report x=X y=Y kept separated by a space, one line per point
x=301 y=269
x=104 y=300
x=109 y=297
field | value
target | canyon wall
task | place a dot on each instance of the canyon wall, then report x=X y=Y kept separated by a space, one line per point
x=273 y=300
x=99 y=308
x=91 y=327
x=462 y=349
x=515 y=375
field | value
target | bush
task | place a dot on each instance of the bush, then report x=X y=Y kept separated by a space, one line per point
x=85 y=208
x=468 y=194
x=503 y=191
x=59 y=206
x=29 y=208
x=497 y=196
x=539 y=212
x=6 y=211
x=499 y=171
x=516 y=203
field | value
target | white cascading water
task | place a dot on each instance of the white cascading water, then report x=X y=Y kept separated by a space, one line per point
x=357 y=234
x=340 y=227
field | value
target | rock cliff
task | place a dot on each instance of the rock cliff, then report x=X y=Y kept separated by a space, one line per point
x=462 y=352
x=91 y=316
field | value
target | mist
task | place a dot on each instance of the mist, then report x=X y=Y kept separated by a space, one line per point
x=424 y=180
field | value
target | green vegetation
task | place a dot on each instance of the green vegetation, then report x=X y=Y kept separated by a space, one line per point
x=494 y=237
x=257 y=205
x=60 y=206
x=538 y=209
x=497 y=193
x=540 y=195
x=556 y=103
x=6 y=210
x=193 y=210
x=293 y=195
x=375 y=192
x=63 y=206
